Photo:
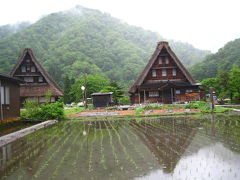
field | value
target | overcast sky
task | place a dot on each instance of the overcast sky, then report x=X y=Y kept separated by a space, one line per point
x=206 y=24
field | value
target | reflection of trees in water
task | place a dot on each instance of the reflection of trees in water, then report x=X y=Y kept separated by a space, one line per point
x=167 y=139
x=140 y=147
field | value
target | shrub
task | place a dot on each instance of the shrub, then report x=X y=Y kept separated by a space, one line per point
x=205 y=107
x=36 y=111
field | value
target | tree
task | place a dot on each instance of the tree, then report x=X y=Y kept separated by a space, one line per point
x=234 y=84
x=92 y=83
x=68 y=97
x=116 y=89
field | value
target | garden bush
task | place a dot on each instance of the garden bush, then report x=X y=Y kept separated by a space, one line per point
x=36 y=111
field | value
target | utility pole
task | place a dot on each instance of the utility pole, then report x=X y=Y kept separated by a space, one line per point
x=85 y=92
x=211 y=98
x=1 y=95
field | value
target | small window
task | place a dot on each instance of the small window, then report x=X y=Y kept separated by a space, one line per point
x=153 y=93
x=28 y=79
x=28 y=60
x=33 y=69
x=40 y=79
x=5 y=95
x=174 y=72
x=28 y=68
x=2 y=95
x=189 y=90
x=164 y=72
x=23 y=68
x=167 y=60
x=177 y=92
x=160 y=60
x=154 y=73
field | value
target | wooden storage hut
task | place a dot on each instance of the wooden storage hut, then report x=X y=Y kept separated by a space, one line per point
x=9 y=97
x=38 y=81
x=102 y=99
x=164 y=80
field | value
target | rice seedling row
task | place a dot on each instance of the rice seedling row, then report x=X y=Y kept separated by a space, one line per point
x=64 y=157
x=116 y=159
x=128 y=157
x=56 y=150
x=102 y=159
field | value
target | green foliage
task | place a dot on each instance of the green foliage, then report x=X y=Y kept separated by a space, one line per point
x=93 y=83
x=125 y=100
x=73 y=110
x=48 y=111
x=205 y=107
x=226 y=84
x=88 y=41
x=116 y=89
x=68 y=96
x=139 y=110
x=48 y=96
x=220 y=61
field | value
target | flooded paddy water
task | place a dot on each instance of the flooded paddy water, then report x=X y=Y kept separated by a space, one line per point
x=179 y=148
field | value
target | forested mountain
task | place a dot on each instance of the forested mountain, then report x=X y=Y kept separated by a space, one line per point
x=220 y=61
x=83 y=40
x=10 y=29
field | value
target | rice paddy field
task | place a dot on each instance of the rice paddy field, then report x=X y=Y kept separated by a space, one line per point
x=169 y=148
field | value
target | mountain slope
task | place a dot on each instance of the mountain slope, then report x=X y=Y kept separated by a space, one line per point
x=83 y=40
x=222 y=60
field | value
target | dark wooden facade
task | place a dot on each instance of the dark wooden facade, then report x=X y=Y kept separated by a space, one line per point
x=38 y=81
x=164 y=80
x=9 y=97
x=103 y=99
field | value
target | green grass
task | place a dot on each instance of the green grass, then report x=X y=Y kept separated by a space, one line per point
x=73 y=110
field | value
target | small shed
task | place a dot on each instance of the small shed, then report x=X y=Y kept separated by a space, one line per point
x=102 y=99
x=9 y=97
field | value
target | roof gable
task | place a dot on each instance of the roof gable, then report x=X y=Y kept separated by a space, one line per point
x=162 y=46
x=28 y=53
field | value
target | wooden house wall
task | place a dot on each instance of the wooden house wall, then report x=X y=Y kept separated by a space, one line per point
x=11 y=110
x=102 y=100
x=169 y=68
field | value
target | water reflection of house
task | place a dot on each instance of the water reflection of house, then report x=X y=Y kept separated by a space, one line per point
x=167 y=142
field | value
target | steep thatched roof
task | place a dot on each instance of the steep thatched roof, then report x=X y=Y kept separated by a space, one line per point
x=36 y=89
x=159 y=48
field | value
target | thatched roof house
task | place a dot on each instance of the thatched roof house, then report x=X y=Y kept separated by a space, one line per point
x=38 y=81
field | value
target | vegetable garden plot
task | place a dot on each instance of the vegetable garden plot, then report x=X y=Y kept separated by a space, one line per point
x=166 y=148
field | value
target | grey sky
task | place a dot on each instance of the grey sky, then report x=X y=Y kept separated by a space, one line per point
x=207 y=24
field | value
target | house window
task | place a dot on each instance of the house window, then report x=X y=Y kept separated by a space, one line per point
x=167 y=60
x=23 y=68
x=160 y=60
x=28 y=79
x=189 y=90
x=164 y=72
x=40 y=79
x=154 y=73
x=177 y=92
x=174 y=72
x=153 y=93
x=5 y=95
x=33 y=69
x=28 y=68
x=28 y=60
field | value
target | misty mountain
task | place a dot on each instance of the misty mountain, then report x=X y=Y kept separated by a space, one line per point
x=84 y=40
x=220 y=61
x=10 y=29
